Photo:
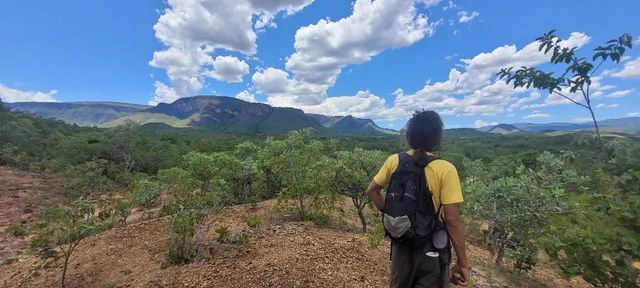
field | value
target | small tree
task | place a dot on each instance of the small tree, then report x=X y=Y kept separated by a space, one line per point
x=306 y=173
x=354 y=170
x=145 y=191
x=576 y=76
x=518 y=207
x=85 y=179
x=123 y=139
x=205 y=167
x=65 y=228
x=270 y=181
x=188 y=224
x=182 y=227
x=178 y=182
x=247 y=172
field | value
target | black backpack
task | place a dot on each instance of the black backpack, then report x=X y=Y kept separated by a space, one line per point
x=409 y=214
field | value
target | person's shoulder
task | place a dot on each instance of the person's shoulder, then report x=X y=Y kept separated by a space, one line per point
x=393 y=159
x=442 y=166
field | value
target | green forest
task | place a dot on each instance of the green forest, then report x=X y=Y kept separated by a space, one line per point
x=571 y=197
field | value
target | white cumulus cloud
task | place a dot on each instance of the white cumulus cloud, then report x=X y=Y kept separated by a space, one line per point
x=323 y=49
x=601 y=105
x=482 y=123
x=536 y=116
x=229 y=69
x=450 y=5
x=14 y=95
x=430 y=3
x=474 y=90
x=631 y=70
x=634 y=114
x=364 y=104
x=246 y=96
x=192 y=30
x=465 y=17
x=621 y=93
x=271 y=81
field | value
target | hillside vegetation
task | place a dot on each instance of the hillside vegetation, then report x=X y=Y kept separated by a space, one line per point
x=532 y=201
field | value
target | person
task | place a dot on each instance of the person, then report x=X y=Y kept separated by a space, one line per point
x=411 y=267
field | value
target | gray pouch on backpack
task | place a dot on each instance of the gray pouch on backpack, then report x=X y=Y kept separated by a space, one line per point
x=440 y=238
x=396 y=226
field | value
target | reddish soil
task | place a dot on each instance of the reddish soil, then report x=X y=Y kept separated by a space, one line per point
x=281 y=253
x=22 y=196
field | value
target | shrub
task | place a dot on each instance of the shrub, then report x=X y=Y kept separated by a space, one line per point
x=252 y=220
x=240 y=239
x=122 y=210
x=318 y=218
x=65 y=228
x=85 y=179
x=16 y=230
x=223 y=234
x=305 y=172
x=145 y=191
x=519 y=207
x=182 y=227
x=353 y=172
x=375 y=236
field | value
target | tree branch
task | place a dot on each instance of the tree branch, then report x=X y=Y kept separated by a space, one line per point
x=585 y=96
x=594 y=69
x=574 y=101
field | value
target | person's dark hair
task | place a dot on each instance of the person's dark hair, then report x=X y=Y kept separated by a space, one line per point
x=424 y=134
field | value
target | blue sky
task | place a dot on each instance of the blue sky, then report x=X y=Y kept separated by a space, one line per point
x=378 y=59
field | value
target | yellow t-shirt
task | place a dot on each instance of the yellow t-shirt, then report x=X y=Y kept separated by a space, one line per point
x=442 y=179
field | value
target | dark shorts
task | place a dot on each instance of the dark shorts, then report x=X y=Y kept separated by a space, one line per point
x=419 y=267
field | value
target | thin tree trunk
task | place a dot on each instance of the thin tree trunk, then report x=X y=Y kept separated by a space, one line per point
x=64 y=270
x=363 y=221
x=595 y=124
x=359 y=209
x=303 y=213
x=67 y=256
x=201 y=233
x=500 y=255
x=600 y=140
x=205 y=186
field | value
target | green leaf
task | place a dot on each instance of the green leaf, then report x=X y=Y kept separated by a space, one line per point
x=547 y=50
x=541 y=45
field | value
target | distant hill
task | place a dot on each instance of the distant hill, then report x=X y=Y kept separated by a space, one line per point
x=504 y=129
x=628 y=125
x=81 y=113
x=351 y=125
x=556 y=126
x=211 y=113
x=226 y=114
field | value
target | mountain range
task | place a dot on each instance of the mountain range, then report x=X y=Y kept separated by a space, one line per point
x=81 y=113
x=628 y=125
x=213 y=113
x=228 y=114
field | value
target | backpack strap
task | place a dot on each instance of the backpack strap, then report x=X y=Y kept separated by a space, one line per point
x=431 y=158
